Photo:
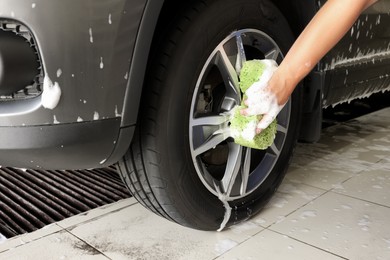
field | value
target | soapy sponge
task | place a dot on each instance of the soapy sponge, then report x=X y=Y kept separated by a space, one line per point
x=243 y=128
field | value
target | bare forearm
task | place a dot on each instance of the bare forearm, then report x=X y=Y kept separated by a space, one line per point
x=328 y=26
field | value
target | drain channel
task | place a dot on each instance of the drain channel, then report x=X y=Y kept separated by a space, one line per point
x=32 y=199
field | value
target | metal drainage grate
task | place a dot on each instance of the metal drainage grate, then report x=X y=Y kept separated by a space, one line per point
x=32 y=199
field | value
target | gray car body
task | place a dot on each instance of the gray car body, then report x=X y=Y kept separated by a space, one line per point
x=97 y=51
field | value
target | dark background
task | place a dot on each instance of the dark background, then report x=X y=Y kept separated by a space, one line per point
x=358 y=107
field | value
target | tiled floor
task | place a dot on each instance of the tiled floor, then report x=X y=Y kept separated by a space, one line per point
x=333 y=204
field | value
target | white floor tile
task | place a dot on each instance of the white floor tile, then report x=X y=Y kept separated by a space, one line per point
x=378 y=118
x=333 y=203
x=372 y=185
x=22 y=240
x=56 y=246
x=134 y=232
x=289 y=197
x=345 y=226
x=271 y=245
x=343 y=151
x=357 y=141
x=95 y=213
x=316 y=165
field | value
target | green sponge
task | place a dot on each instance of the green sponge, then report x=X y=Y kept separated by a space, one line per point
x=243 y=128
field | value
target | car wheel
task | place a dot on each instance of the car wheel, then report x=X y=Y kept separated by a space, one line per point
x=181 y=165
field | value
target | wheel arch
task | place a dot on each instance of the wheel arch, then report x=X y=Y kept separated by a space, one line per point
x=297 y=13
x=139 y=61
x=137 y=70
x=154 y=16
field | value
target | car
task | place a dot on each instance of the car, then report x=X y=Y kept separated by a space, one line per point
x=146 y=85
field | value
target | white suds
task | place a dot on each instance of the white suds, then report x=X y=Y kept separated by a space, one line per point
x=90 y=35
x=55 y=121
x=96 y=116
x=224 y=245
x=378 y=20
x=109 y=19
x=116 y=112
x=2 y=238
x=360 y=57
x=51 y=93
x=260 y=100
x=101 y=63
x=228 y=210
x=79 y=119
x=249 y=132
x=102 y=162
x=33 y=5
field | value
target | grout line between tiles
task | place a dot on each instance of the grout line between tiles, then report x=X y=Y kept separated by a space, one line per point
x=292 y=212
x=24 y=236
x=367 y=201
x=96 y=217
x=61 y=229
x=267 y=228
x=303 y=242
x=238 y=244
x=89 y=245
x=334 y=191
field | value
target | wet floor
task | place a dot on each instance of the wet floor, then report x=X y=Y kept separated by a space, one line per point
x=333 y=204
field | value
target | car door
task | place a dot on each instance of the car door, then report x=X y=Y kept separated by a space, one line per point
x=359 y=64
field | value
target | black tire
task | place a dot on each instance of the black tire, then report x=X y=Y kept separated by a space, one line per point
x=162 y=168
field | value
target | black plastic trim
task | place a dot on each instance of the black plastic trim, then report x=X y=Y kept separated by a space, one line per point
x=311 y=125
x=139 y=62
x=18 y=63
x=63 y=146
x=122 y=145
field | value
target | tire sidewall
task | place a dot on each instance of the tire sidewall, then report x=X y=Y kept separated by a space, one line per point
x=194 y=42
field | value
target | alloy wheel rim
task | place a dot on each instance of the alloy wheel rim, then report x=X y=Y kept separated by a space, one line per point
x=223 y=166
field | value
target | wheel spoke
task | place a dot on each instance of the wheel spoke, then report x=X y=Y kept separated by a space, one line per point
x=212 y=150
x=210 y=120
x=229 y=75
x=281 y=129
x=232 y=168
x=245 y=170
x=273 y=54
x=211 y=142
x=274 y=150
x=241 y=56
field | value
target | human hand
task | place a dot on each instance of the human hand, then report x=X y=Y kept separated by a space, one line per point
x=261 y=101
x=270 y=93
x=268 y=96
